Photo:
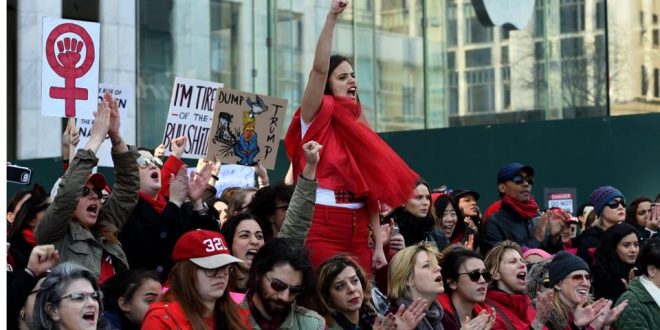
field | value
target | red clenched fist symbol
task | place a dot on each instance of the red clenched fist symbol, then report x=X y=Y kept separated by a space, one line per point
x=64 y=63
x=69 y=49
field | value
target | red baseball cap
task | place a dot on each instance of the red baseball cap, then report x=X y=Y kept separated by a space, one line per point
x=98 y=181
x=205 y=248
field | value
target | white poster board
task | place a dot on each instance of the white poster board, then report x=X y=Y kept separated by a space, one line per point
x=69 y=68
x=232 y=175
x=190 y=115
x=124 y=97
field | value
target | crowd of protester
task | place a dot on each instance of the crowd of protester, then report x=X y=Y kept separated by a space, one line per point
x=347 y=244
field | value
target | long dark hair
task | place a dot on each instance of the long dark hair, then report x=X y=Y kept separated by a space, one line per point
x=124 y=285
x=335 y=60
x=439 y=206
x=183 y=280
x=38 y=201
x=631 y=210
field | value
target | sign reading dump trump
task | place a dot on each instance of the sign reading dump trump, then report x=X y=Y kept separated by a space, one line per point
x=69 y=68
x=246 y=128
x=190 y=115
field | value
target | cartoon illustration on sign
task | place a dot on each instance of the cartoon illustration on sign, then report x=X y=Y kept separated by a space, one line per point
x=247 y=146
x=64 y=64
x=246 y=128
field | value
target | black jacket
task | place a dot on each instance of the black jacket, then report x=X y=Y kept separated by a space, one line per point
x=20 y=250
x=588 y=242
x=415 y=230
x=508 y=225
x=148 y=238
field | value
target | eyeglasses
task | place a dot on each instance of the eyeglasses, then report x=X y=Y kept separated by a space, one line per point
x=82 y=296
x=86 y=191
x=144 y=161
x=280 y=286
x=613 y=204
x=578 y=278
x=476 y=274
x=214 y=272
x=518 y=179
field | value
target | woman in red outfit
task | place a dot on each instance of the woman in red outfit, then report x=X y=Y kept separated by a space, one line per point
x=357 y=170
x=466 y=282
x=506 y=293
x=198 y=297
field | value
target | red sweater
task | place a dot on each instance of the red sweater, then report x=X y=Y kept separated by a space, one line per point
x=170 y=315
x=449 y=321
x=517 y=308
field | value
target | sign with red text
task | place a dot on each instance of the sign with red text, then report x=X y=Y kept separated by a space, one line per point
x=69 y=68
x=190 y=115
x=124 y=97
x=246 y=128
x=563 y=198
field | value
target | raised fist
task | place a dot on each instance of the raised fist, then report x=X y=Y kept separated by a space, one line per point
x=69 y=49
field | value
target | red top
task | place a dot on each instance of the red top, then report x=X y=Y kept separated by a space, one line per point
x=170 y=315
x=354 y=158
x=449 y=321
x=517 y=308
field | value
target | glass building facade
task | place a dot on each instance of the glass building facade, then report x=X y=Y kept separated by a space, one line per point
x=420 y=64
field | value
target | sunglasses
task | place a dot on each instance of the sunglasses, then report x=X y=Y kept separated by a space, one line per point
x=613 y=204
x=578 y=278
x=144 y=161
x=476 y=274
x=86 y=191
x=518 y=179
x=82 y=296
x=215 y=271
x=280 y=286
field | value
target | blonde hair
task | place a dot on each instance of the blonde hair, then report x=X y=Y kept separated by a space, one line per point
x=402 y=269
x=495 y=255
x=560 y=313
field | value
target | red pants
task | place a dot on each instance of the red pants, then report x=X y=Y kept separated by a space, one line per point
x=339 y=230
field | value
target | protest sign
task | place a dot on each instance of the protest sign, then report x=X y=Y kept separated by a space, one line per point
x=69 y=68
x=234 y=176
x=190 y=115
x=124 y=97
x=246 y=128
x=563 y=198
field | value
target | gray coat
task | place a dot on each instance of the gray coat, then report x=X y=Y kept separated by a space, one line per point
x=76 y=243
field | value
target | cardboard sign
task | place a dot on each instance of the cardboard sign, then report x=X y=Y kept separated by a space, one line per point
x=69 y=68
x=563 y=198
x=190 y=115
x=124 y=97
x=246 y=128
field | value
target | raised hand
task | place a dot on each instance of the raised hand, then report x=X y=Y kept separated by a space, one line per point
x=541 y=227
x=613 y=314
x=483 y=321
x=388 y=323
x=179 y=186
x=408 y=318
x=179 y=146
x=159 y=151
x=197 y=183
x=115 y=121
x=42 y=258
x=312 y=150
x=338 y=6
x=585 y=315
x=543 y=307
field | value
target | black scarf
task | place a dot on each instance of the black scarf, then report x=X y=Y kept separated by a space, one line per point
x=413 y=229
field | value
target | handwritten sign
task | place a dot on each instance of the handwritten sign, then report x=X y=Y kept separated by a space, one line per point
x=246 y=128
x=70 y=68
x=124 y=97
x=190 y=115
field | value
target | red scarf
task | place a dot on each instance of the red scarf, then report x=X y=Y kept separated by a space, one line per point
x=524 y=210
x=158 y=204
x=354 y=157
x=28 y=235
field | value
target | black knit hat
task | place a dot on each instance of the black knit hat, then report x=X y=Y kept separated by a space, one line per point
x=563 y=264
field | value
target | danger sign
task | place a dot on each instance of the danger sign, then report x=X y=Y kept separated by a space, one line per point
x=70 y=68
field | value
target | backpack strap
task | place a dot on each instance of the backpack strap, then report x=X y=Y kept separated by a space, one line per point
x=509 y=325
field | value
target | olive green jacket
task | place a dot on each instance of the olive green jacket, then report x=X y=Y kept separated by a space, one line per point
x=298 y=218
x=76 y=243
x=642 y=311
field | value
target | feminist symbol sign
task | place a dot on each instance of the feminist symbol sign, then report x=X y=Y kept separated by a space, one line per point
x=70 y=52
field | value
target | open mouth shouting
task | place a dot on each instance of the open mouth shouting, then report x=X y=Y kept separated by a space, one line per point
x=352 y=92
x=521 y=277
x=90 y=319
